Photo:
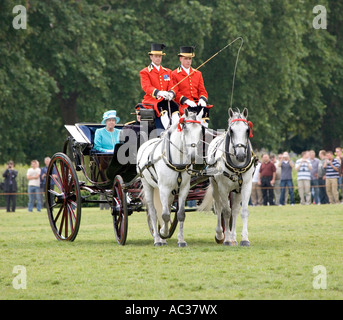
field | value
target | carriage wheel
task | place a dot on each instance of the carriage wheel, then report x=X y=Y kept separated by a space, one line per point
x=119 y=210
x=63 y=198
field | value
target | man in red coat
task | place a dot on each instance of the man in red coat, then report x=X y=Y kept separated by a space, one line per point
x=191 y=92
x=156 y=83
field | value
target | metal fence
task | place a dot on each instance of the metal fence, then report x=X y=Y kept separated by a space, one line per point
x=22 y=195
x=23 y=198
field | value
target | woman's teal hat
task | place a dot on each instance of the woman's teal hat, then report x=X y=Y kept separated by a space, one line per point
x=109 y=115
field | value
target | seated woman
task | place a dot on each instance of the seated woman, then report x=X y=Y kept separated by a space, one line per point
x=106 y=138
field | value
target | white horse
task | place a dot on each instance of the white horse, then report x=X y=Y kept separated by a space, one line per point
x=231 y=155
x=163 y=164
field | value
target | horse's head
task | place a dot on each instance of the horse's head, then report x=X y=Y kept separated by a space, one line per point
x=191 y=128
x=239 y=130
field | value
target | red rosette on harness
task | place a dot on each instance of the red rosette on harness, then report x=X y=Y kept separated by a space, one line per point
x=250 y=126
x=179 y=128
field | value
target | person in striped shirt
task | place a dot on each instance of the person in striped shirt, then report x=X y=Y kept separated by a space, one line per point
x=303 y=167
x=331 y=167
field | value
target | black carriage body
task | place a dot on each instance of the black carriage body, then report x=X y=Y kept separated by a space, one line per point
x=100 y=169
x=106 y=175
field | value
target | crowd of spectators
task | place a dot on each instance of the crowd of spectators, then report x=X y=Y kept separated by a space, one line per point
x=275 y=180
x=318 y=180
x=36 y=180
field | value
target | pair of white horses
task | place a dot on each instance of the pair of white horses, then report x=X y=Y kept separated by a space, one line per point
x=164 y=164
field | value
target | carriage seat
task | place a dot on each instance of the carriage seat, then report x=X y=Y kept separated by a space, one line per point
x=88 y=131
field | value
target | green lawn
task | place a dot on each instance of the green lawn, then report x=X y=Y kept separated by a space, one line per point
x=286 y=244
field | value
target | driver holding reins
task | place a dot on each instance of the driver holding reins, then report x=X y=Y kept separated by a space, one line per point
x=156 y=83
x=191 y=92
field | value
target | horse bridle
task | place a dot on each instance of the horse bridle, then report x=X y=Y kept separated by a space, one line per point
x=183 y=122
x=240 y=145
x=251 y=158
x=166 y=155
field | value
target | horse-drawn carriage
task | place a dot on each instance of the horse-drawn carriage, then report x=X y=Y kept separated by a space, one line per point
x=80 y=175
x=116 y=178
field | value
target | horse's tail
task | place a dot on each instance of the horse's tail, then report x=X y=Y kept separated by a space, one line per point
x=206 y=204
x=158 y=205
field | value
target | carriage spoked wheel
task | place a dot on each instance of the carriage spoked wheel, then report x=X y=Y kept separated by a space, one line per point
x=63 y=198
x=119 y=210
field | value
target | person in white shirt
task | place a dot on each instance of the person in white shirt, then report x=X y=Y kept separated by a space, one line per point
x=277 y=189
x=256 y=192
x=33 y=176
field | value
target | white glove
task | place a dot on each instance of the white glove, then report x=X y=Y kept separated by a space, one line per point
x=202 y=103
x=163 y=94
x=190 y=103
x=170 y=96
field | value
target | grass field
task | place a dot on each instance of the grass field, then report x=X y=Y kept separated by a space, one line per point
x=286 y=244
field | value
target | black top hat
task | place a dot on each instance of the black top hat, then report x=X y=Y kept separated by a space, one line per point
x=156 y=48
x=187 y=52
x=137 y=107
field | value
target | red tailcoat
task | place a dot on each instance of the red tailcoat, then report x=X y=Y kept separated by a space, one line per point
x=192 y=88
x=153 y=81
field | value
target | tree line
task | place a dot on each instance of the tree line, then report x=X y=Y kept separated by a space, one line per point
x=79 y=58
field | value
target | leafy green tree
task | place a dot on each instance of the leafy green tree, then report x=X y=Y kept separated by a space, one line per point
x=25 y=93
x=85 y=48
x=77 y=59
x=332 y=129
x=279 y=77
